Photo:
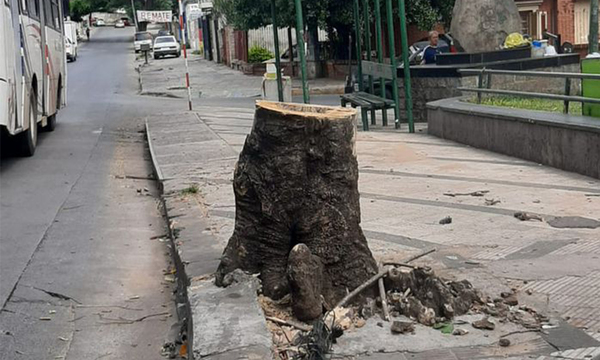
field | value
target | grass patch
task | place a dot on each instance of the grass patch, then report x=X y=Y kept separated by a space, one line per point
x=192 y=189
x=529 y=104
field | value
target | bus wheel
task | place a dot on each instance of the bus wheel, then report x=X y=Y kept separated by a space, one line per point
x=28 y=139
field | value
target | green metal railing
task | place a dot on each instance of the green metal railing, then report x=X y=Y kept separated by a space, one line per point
x=388 y=8
x=484 y=85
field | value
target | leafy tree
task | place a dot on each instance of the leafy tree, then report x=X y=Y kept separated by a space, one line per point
x=335 y=16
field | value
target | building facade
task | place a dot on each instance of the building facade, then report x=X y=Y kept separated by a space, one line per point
x=568 y=18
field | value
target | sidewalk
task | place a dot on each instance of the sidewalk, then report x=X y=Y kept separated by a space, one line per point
x=408 y=182
x=165 y=77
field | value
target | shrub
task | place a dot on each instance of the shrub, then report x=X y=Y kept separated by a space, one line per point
x=258 y=54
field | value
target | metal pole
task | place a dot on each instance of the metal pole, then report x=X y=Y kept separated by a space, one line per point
x=291 y=48
x=390 y=26
x=380 y=54
x=277 y=61
x=134 y=15
x=368 y=39
x=367 y=20
x=593 y=37
x=407 y=89
x=358 y=47
x=182 y=40
x=300 y=42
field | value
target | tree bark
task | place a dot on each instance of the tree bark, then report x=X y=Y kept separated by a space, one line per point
x=296 y=182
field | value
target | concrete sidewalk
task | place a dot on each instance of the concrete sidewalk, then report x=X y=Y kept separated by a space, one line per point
x=408 y=182
x=165 y=77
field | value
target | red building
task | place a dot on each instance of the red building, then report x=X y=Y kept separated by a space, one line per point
x=569 y=18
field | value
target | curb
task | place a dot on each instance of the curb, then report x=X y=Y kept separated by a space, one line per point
x=183 y=307
x=327 y=90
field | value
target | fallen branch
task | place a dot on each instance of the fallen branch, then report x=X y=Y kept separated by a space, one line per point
x=108 y=306
x=359 y=289
x=519 y=332
x=380 y=275
x=474 y=193
x=289 y=323
x=418 y=256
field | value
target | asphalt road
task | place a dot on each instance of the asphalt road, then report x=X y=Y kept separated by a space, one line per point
x=80 y=277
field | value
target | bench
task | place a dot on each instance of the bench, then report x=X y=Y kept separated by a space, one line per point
x=371 y=102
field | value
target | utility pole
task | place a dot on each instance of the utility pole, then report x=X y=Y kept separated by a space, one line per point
x=593 y=36
x=134 y=16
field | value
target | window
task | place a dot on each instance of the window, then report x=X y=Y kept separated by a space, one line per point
x=165 y=39
x=48 y=13
x=56 y=15
x=143 y=36
x=34 y=8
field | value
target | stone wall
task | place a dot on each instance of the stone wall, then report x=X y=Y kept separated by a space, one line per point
x=567 y=142
x=427 y=89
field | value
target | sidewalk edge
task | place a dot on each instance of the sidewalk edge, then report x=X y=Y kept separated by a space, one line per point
x=182 y=300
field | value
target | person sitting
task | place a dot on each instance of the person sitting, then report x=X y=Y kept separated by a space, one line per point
x=430 y=52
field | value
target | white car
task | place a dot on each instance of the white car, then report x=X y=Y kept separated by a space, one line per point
x=70 y=50
x=120 y=24
x=166 y=45
x=100 y=22
x=142 y=38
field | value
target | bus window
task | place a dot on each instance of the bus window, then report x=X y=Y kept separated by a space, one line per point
x=56 y=15
x=23 y=7
x=48 y=13
x=34 y=9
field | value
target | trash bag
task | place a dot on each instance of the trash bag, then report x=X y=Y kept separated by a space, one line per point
x=515 y=40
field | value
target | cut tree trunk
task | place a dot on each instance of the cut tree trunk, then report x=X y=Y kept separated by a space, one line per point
x=296 y=182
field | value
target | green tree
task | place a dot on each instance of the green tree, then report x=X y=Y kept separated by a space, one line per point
x=335 y=16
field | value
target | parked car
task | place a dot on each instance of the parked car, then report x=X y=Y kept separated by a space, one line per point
x=71 y=40
x=445 y=45
x=120 y=24
x=164 y=32
x=166 y=45
x=100 y=22
x=126 y=21
x=140 y=38
x=70 y=50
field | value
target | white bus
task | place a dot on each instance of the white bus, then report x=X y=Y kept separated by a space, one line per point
x=32 y=68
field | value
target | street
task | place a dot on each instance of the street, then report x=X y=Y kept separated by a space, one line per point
x=81 y=277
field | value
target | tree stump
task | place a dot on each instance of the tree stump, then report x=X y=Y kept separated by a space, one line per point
x=296 y=182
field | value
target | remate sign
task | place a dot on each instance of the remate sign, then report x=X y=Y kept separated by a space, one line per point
x=154 y=16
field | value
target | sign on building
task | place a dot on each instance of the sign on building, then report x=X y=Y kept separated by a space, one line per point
x=154 y=16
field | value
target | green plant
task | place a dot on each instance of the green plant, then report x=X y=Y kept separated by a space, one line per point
x=192 y=189
x=258 y=54
x=529 y=104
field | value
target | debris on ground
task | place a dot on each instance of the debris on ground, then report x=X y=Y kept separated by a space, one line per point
x=484 y=324
x=492 y=202
x=460 y=332
x=446 y=220
x=504 y=342
x=402 y=327
x=444 y=327
x=415 y=295
x=474 y=193
x=524 y=216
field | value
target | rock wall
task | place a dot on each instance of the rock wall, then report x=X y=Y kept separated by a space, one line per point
x=482 y=25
